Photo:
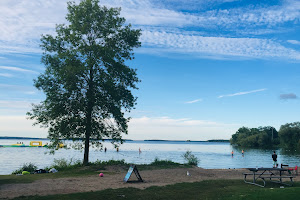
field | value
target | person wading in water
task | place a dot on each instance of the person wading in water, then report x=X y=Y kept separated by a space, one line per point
x=274 y=156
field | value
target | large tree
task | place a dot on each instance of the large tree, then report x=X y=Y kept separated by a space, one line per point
x=255 y=137
x=290 y=135
x=86 y=82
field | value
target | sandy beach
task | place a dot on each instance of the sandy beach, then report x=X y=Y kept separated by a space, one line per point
x=159 y=177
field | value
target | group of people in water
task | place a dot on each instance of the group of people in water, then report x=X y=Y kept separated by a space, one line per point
x=105 y=149
x=233 y=153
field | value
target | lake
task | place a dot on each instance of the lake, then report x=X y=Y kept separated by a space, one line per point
x=210 y=154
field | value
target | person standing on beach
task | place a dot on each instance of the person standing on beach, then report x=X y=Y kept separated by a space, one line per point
x=242 y=152
x=232 y=153
x=274 y=157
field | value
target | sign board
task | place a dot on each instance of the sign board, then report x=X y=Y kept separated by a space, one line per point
x=131 y=169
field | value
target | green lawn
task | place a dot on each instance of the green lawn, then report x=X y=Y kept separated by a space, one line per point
x=213 y=189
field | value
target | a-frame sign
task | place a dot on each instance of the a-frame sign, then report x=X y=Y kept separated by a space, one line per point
x=131 y=169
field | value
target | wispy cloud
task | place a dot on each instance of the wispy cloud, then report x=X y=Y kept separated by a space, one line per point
x=166 y=13
x=242 y=93
x=21 y=28
x=222 y=46
x=288 y=96
x=17 y=69
x=294 y=42
x=6 y=75
x=194 y=101
x=18 y=88
x=165 y=26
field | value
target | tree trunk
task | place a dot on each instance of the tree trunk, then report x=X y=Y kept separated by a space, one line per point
x=86 y=149
x=88 y=133
x=90 y=105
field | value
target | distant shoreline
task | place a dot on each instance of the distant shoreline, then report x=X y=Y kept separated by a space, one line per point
x=192 y=141
x=19 y=138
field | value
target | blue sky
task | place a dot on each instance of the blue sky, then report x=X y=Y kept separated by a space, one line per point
x=207 y=67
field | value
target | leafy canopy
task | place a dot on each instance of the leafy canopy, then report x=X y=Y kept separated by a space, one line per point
x=255 y=137
x=289 y=134
x=86 y=82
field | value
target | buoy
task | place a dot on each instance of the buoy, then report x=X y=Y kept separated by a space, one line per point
x=101 y=174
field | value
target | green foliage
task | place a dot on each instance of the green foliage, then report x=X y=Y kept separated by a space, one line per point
x=290 y=135
x=102 y=164
x=87 y=83
x=30 y=167
x=264 y=137
x=158 y=162
x=64 y=164
x=162 y=164
x=255 y=137
x=190 y=158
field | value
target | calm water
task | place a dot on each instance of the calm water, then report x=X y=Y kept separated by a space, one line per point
x=211 y=155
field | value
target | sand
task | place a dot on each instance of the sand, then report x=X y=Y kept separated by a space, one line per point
x=95 y=183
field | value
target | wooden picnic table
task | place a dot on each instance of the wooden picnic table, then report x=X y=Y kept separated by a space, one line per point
x=267 y=173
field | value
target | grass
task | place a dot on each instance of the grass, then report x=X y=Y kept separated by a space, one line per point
x=210 y=189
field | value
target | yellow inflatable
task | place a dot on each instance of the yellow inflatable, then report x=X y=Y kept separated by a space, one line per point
x=61 y=145
x=36 y=143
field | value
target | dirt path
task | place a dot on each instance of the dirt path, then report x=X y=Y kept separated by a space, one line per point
x=95 y=183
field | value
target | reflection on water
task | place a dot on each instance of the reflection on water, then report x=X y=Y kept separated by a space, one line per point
x=211 y=155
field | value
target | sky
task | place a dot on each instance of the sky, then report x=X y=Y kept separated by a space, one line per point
x=207 y=67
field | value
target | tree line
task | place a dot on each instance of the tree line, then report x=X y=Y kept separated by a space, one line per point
x=288 y=136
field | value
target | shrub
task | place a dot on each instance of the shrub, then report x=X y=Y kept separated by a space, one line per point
x=158 y=162
x=103 y=164
x=62 y=163
x=30 y=167
x=114 y=162
x=190 y=158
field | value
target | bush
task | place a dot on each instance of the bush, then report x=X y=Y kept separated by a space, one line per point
x=158 y=162
x=30 y=167
x=108 y=163
x=62 y=163
x=190 y=158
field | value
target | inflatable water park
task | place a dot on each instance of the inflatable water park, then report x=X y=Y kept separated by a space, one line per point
x=31 y=144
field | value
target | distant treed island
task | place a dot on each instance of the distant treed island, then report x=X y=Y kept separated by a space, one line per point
x=288 y=136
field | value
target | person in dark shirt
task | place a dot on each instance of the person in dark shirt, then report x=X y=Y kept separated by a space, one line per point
x=274 y=156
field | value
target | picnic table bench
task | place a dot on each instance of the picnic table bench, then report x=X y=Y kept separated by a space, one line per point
x=267 y=173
